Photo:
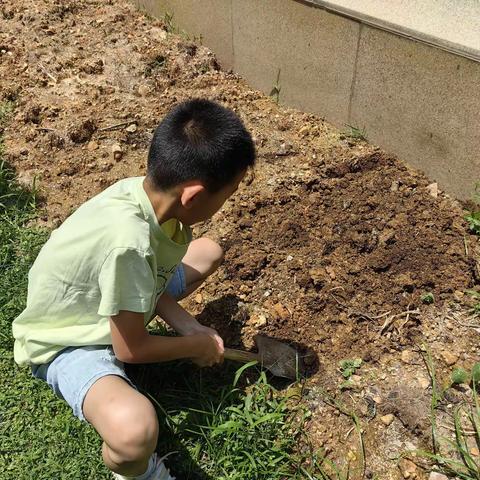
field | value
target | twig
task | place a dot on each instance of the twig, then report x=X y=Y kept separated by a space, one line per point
x=45 y=129
x=370 y=317
x=338 y=301
x=116 y=126
x=470 y=325
x=45 y=71
x=466 y=432
x=392 y=319
x=465 y=245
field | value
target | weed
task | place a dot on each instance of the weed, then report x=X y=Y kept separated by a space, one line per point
x=455 y=457
x=476 y=296
x=473 y=217
x=170 y=26
x=349 y=367
x=354 y=133
x=427 y=298
x=275 y=92
x=459 y=376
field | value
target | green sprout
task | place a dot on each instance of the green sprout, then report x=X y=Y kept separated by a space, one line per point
x=428 y=298
x=348 y=367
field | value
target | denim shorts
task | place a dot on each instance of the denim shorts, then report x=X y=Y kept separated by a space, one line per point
x=74 y=370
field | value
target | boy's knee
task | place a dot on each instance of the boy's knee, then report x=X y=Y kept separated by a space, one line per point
x=136 y=433
x=214 y=253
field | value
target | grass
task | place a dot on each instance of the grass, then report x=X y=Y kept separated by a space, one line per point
x=473 y=217
x=354 y=133
x=453 y=456
x=276 y=89
x=221 y=430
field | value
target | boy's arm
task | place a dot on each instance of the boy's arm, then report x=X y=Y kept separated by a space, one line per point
x=181 y=321
x=133 y=344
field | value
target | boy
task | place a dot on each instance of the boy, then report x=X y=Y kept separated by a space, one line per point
x=122 y=257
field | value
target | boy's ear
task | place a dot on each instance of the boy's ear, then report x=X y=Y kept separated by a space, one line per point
x=191 y=194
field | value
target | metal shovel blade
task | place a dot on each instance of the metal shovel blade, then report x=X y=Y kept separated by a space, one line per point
x=281 y=359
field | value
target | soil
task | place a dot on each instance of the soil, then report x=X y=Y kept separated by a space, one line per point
x=330 y=245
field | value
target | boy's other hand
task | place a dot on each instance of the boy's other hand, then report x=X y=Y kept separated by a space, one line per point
x=210 y=348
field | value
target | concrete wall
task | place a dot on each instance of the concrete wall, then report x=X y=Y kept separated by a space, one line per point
x=416 y=101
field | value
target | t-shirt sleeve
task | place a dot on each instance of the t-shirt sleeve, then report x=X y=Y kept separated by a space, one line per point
x=126 y=282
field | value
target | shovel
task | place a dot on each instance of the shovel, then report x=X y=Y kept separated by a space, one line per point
x=277 y=357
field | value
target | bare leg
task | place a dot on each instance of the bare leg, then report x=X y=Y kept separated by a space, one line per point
x=126 y=421
x=203 y=257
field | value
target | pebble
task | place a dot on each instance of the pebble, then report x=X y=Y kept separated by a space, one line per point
x=432 y=189
x=117 y=151
x=437 y=476
x=458 y=295
x=407 y=468
x=387 y=419
x=449 y=358
x=424 y=382
x=143 y=90
x=199 y=298
x=92 y=145
x=281 y=311
x=407 y=356
x=131 y=128
x=260 y=320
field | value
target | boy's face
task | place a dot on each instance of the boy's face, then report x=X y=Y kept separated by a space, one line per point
x=206 y=204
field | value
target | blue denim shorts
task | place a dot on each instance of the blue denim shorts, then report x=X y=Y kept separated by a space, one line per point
x=74 y=370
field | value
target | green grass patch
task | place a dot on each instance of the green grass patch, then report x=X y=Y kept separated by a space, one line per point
x=454 y=455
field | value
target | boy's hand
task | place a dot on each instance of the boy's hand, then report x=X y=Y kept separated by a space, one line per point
x=210 y=349
x=199 y=329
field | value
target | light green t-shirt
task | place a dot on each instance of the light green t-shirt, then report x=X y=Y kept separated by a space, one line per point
x=109 y=255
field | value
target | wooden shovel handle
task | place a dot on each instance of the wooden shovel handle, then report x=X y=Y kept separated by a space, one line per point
x=240 y=355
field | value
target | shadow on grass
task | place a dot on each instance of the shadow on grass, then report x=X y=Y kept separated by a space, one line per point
x=198 y=409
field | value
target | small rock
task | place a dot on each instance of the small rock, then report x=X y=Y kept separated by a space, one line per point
x=407 y=356
x=143 y=90
x=437 y=476
x=331 y=272
x=394 y=186
x=474 y=451
x=424 y=382
x=281 y=311
x=449 y=357
x=432 y=189
x=117 y=152
x=458 y=295
x=260 y=320
x=199 y=298
x=92 y=145
x=407 y=468
x=387 y=419
x=131 y=128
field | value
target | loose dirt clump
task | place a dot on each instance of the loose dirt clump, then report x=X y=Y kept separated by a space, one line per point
x=331 y=245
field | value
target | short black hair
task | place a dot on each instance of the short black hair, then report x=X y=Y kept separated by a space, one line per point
x=199 y=140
